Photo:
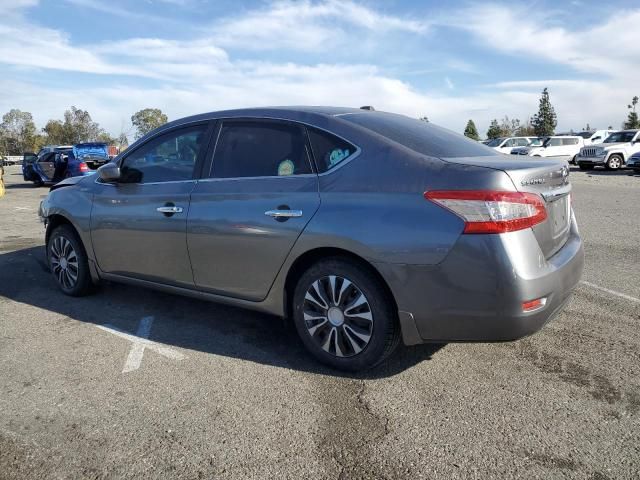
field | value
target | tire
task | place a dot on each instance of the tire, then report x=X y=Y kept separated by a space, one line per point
x=574 y=160
x=614 y=162
x=585 y=167
x=38 y=182
x=353 y=341
x=66 y=256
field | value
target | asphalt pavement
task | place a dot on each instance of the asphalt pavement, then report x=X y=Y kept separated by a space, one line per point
x=131 y=383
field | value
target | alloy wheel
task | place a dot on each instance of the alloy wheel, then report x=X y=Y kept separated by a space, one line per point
x=64 y=262
x=614 y=163
x=338 y=316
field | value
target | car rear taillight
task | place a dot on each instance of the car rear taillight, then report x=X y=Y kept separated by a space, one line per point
x=84 y=167
x=490 y=211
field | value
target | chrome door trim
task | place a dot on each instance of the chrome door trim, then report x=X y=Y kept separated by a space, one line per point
x=169 y=209
x=283 y=213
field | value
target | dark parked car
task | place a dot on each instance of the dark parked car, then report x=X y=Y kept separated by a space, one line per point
x=634 y=162
x=363 y=227
x=53 y=164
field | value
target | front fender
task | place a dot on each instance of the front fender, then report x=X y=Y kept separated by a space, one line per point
x=622 y=153
x=74 y=204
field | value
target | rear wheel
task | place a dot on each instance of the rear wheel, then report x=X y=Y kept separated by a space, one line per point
x=344 y=315
x=614 y=162
x=68 y=261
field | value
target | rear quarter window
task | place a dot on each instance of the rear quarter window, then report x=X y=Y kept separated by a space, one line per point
x=328 y=150
x=422 y=137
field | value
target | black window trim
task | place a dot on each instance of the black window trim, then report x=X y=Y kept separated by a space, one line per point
x=208 y=164
x=207 y=171
x=200 y=161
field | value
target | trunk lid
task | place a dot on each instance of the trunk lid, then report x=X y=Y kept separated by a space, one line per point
x=548 y=178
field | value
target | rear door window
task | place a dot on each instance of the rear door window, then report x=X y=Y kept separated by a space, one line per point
x=252 y=148
x=328 y=150
x=569 y=141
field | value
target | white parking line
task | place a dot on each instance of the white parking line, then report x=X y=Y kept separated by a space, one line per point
x=612 y=292
x=140 y=343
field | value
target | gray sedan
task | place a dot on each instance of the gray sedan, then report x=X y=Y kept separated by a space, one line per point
x=362 y=227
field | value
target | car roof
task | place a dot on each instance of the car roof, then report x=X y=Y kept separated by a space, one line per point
x=288 y=113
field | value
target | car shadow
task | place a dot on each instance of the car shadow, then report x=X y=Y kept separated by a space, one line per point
x=16 y=186
x=180 y=321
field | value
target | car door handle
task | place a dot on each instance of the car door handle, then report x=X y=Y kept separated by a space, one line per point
x=169 y=209
x=283 y=214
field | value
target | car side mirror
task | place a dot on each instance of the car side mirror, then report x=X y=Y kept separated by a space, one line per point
x=109 y=172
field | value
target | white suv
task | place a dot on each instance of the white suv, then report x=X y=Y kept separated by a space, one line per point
x=612 y=153
x=505 y=144
x=561 y=147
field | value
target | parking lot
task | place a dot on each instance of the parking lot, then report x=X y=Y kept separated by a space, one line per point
x=135 y=383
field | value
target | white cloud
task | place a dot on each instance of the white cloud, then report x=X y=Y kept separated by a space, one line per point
x=449 y=83
x=609 y=47
x=305 y=25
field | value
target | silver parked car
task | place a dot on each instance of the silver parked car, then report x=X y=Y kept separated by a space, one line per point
x=363 y=227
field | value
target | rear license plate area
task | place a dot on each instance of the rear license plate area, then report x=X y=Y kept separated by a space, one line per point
x=559 y=215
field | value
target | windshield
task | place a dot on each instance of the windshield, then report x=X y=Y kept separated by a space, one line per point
x=620 y=137
x=495 y=142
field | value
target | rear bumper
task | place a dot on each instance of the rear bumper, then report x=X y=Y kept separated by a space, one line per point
x=476 y=293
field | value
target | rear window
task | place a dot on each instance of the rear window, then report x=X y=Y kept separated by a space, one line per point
x=419 y=136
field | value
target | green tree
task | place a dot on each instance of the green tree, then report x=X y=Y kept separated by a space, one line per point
x=105 y=137
x=54 y=133
x=471 y=131
x=147 y=119
x=17 y=132
x=545 y=121
x=526 y=130
x=632 y=117
x=508 y=128
x=494 y=129
x=79 y=127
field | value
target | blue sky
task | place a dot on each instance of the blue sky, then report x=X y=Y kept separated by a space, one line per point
x=450 y=61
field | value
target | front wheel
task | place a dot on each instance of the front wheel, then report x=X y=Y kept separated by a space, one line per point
x=344 y=315
x=68 y=261
x=614 y=162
